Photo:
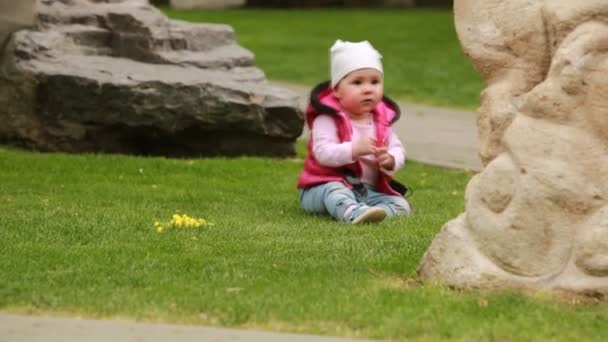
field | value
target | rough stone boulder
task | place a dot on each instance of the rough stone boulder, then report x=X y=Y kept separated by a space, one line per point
x=118 y=76
x=537 y=215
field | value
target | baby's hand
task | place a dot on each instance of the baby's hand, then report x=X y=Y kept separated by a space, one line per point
x=364 y=146
x=385 y=160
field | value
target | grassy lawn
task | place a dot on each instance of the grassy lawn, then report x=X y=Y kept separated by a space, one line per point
x=422 y=58
x=77 y=238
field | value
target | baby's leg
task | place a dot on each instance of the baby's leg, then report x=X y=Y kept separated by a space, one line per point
x=393 y=205
x=333 y=198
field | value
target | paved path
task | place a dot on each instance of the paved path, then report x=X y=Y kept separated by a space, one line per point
x=440 y=136
x=436 y=136
x=19 y=328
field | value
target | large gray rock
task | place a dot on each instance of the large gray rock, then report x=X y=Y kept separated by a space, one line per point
x=537 y=215
x=118 y=76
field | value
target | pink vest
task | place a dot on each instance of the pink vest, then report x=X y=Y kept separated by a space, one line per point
x=314 y=173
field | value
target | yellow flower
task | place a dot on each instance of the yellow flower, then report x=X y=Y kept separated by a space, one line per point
x=180 y=221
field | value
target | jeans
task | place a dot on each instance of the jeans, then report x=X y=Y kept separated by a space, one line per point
x=345 y=205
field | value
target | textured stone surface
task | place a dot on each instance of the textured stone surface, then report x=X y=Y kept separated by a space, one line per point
x=537 y=215
x=118 y=76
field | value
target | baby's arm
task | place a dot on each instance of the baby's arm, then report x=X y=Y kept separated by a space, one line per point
x=391 y=157
x=326 y=147
x=364 y=146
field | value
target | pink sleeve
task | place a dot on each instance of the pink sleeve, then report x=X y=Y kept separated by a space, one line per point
x=326 y=146
x=397 y=150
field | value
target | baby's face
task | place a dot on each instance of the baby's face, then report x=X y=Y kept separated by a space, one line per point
x=360 y=91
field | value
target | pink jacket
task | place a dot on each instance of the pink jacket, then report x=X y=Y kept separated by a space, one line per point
x=322 y=102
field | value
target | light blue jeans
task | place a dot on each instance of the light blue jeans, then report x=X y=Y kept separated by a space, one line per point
x=345 y=204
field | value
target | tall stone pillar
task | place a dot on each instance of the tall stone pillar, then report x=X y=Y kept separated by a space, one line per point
x=537 y=215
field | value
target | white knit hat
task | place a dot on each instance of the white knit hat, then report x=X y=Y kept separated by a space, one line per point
x=348 y=56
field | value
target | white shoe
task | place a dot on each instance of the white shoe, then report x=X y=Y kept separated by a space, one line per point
x=373 y=214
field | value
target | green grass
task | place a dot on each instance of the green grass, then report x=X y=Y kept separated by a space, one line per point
x=77 y=238
x=422 y=58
